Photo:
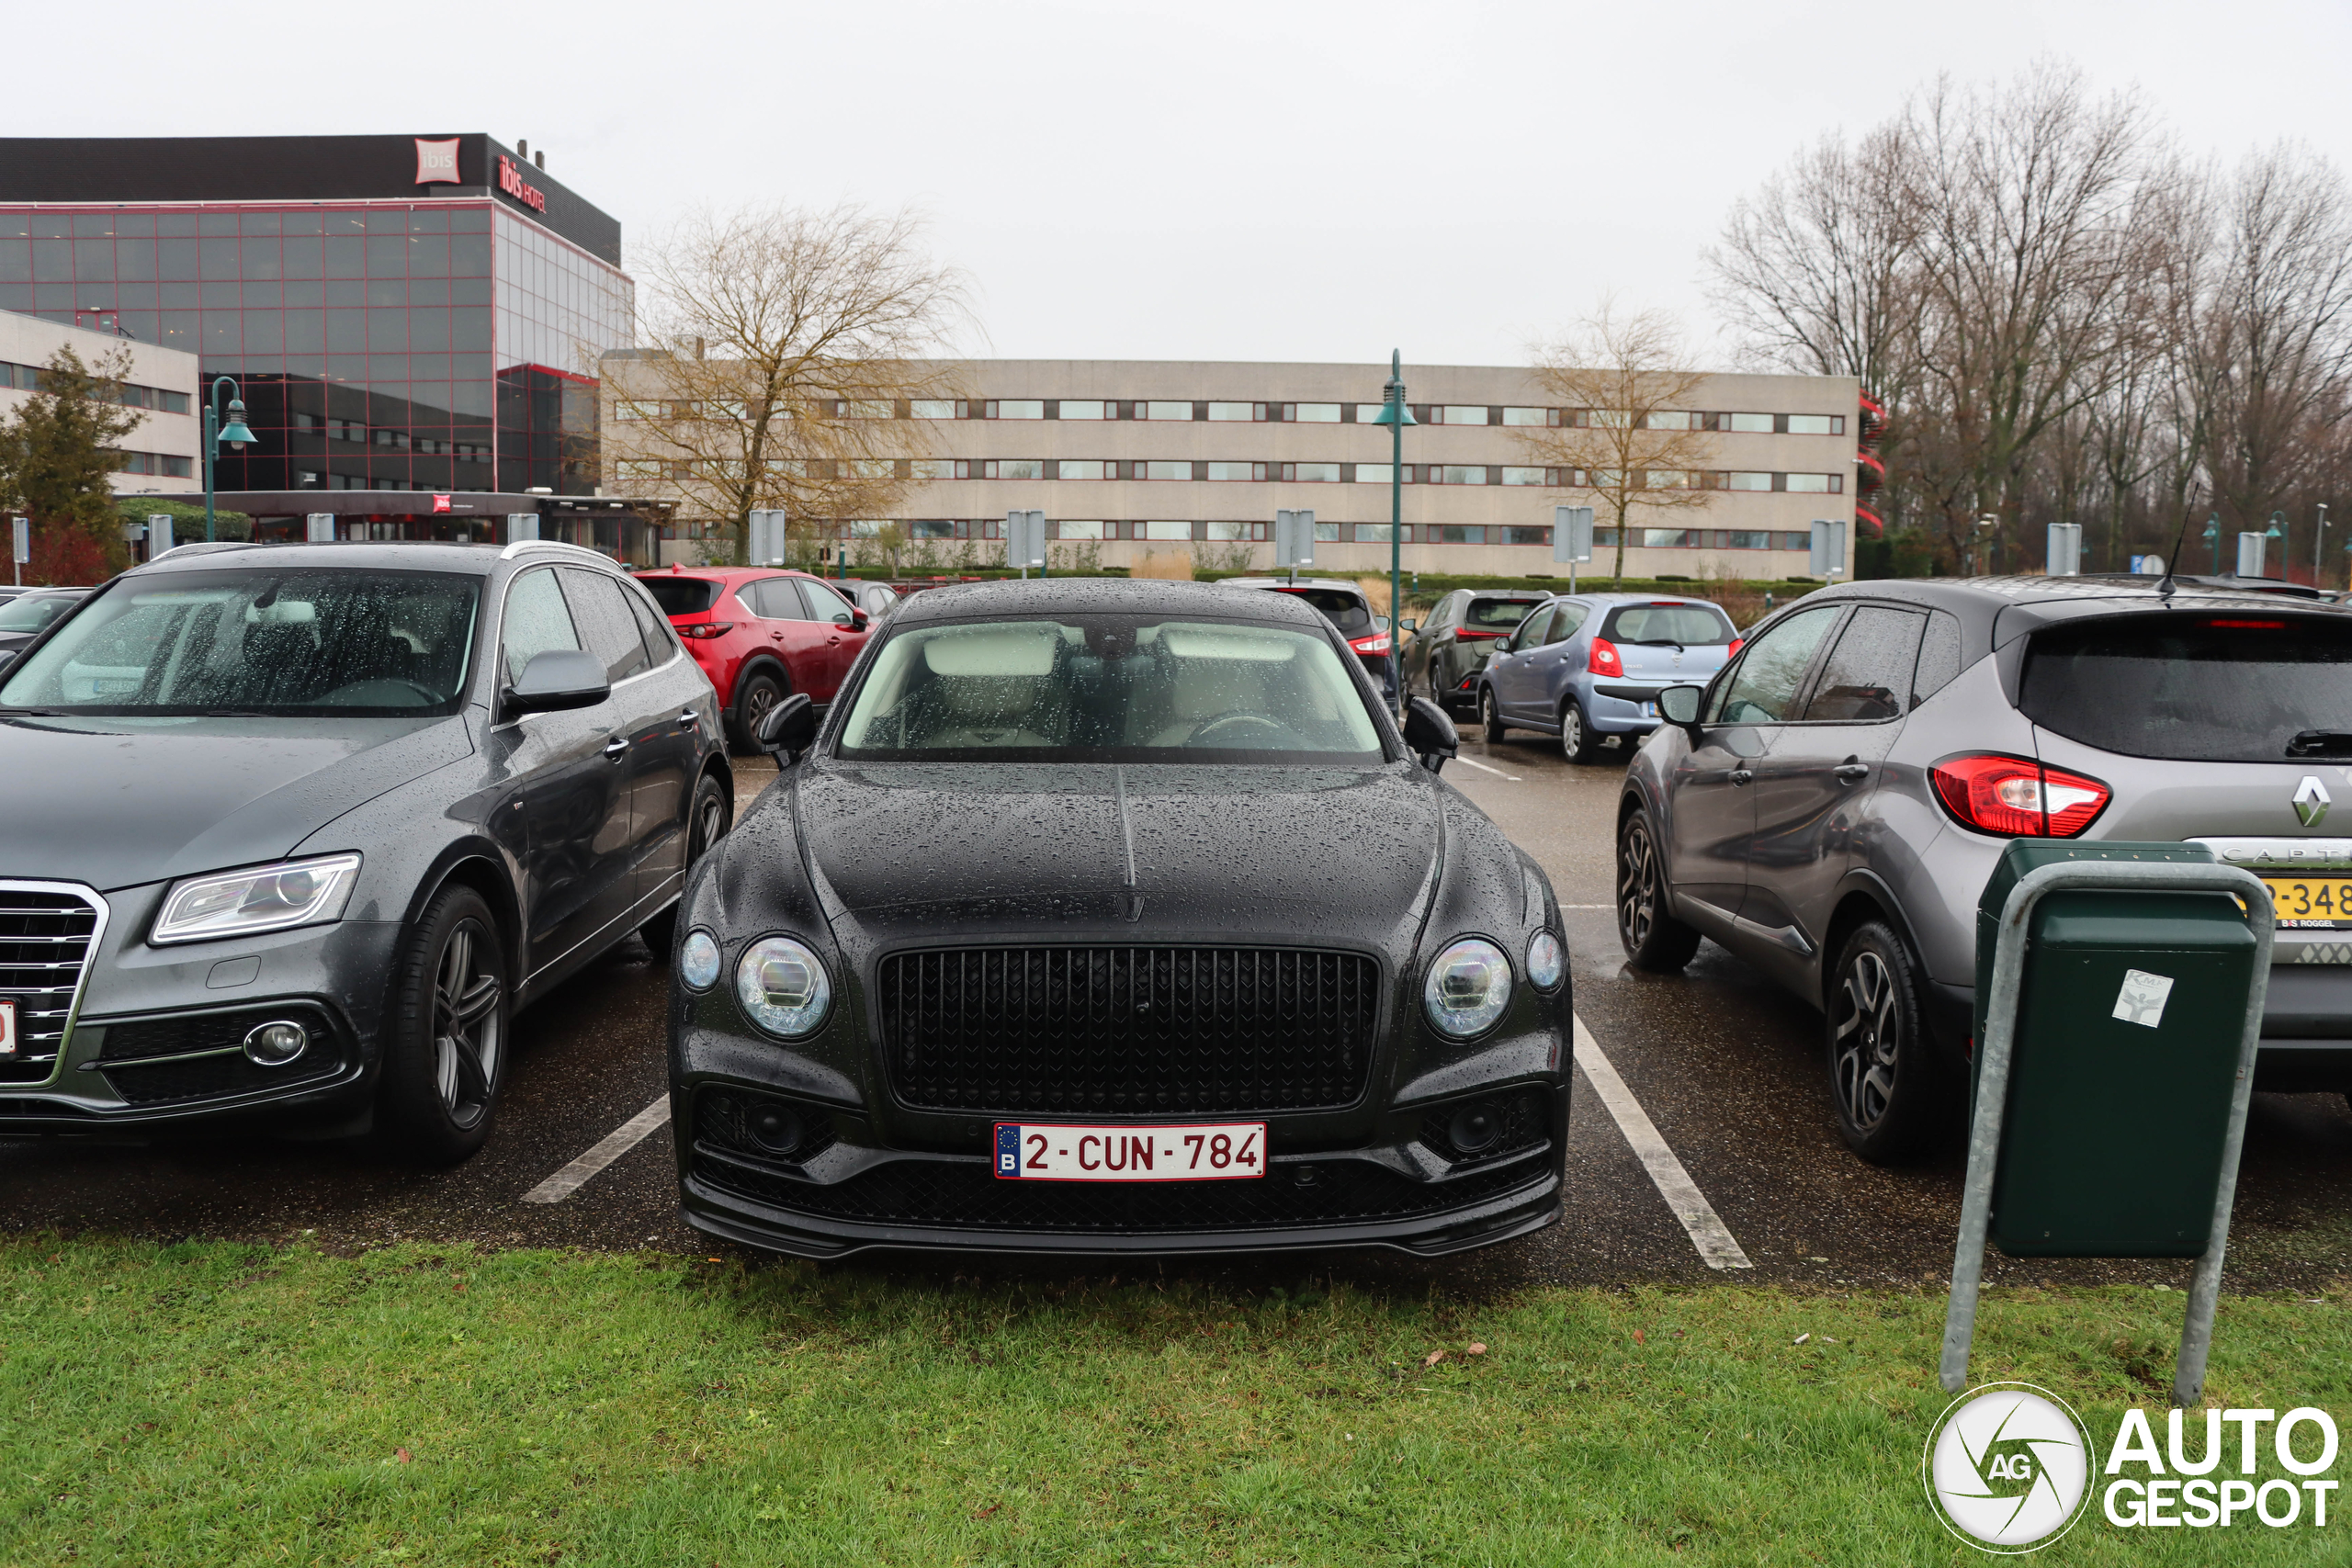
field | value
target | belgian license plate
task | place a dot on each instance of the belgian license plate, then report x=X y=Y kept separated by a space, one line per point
x=2310 y=902
x=1204 y=1151
x=7 y=1028
x=1649 y=710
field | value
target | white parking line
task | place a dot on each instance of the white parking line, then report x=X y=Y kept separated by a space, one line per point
x=1708 y=1232
x=610 y=1147
x=1481 y=767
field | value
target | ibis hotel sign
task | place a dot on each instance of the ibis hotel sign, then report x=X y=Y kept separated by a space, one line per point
x=511 y=181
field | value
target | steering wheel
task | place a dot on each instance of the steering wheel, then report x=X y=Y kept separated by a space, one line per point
x=1235 y=717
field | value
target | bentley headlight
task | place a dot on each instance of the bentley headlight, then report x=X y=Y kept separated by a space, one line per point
x=698 y=961
x=1468 y=988
x=1544 y=960
x=265 y=898
x=783 y=986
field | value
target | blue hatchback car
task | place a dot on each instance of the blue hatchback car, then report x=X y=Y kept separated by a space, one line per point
x=1588 y=667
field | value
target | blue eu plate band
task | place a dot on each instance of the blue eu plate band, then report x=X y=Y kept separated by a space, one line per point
x=1993 y=1087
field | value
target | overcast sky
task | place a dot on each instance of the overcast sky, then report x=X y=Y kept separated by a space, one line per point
x=1267 y=180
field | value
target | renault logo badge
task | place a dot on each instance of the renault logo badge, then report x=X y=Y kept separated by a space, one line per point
x=2310 y=801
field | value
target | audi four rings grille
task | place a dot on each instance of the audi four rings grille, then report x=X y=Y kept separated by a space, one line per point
x=1098 y=1031
x=46 y=929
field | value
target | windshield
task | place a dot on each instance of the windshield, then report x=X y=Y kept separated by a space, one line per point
x=682 y=596
x=31 y=612
x=1684 y=626
x=334 y=643
x=2228 y=688
x=1498 y=615
x=1343 y=609
x=1110 y=689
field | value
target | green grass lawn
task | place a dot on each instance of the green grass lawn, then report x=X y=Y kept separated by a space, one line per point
x=230 y=1404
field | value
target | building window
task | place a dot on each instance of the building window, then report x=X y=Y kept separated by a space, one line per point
x=1676 y=419
x=1747 y=482
x=637 y=469
x=1165 y=531
x=1018 y=469
x=1527 y=416
x=1669 y=478
x=1022 y=408
x=873 y=408
x=1527 y=536
x=1163 y=411
x=1524 y=476
x=1230 y=413
x=1458 y=534
x=1663 y=539
x=871 y=468
x=1367 y=414
x=1816 y=425
x=1237 y=470
x=1748 y=423
x=1312 y=413
x=1229 y=531
x=1460 y=413
x=1377 y=533
x=1157 y=470
x=1070 y=530
x=1092 y=409
x=1810 y=484
x=934 y=407
x=1082 y=469
x=932 y=469
x=1747 y=539
x=1457 y=474
x=1311 y=473
x=1374 y=473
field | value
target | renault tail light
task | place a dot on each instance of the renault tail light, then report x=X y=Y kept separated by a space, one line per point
x=2018 y=797
x=1605 y=658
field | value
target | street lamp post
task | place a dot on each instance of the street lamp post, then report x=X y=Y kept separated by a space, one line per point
x=2214 y=537
x=2277 y=530
x=1396 y=416
x=1992 y=545
x=235 y=434
x=2318 y=536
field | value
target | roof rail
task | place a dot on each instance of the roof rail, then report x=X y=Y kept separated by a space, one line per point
x=208 y=547
x=519 y=546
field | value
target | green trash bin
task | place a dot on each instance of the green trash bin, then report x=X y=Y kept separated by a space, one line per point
x=2128 y=1032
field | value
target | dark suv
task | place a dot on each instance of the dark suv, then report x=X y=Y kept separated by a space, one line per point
x=1832 y=803
x=1445 y=655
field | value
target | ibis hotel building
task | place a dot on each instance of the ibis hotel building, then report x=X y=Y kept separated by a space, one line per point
x=415 y=322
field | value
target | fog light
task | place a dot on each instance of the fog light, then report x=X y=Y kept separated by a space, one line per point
x=277 y=1043
x=1475 y=1129
x=777 y=1128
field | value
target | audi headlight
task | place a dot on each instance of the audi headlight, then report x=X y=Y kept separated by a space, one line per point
x=1544 y=960
x=783 y=986
x=265 y=899
x=1467 y=989
x=698 y=961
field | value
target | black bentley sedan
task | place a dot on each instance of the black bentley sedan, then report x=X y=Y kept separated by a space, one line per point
x=1116 y=916
x=289 y=833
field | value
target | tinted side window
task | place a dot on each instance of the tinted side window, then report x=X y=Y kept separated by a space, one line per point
x=682 y=596
x=538 y=620
x=1531 y=631
x=660 y=642
x=1487 y=614
x=603 y=618
x=1565 y=619
x=1869 y=673
x=778 y=599
x=1763 y=688
x=1939 y=656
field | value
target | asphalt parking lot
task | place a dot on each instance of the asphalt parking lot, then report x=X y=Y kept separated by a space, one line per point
x=1726 y=1070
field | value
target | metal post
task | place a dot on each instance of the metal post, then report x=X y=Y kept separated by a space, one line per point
x=1395 y=391
x=211 y=441
x=20 y=547
x=2318 y=535
x=1992 y=1092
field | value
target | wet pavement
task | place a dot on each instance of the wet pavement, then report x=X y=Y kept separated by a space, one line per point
x=1729 y=1070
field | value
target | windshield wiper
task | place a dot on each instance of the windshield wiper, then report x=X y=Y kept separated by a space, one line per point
x=2321 y=743
x=1659 y=642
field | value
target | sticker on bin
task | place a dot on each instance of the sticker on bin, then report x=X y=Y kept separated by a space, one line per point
x=2143 y=998
x=7 y=1028
x=1206 y=1151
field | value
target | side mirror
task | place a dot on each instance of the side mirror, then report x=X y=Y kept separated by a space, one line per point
x=859 y=620
x=1429 y=734
x=560 y=678
x=7 y=657
x=1680 y=704
x=1408 y=627
x=789 y=728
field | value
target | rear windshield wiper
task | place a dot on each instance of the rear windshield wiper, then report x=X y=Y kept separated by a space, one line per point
x=2321 y=743
x=1659 y=642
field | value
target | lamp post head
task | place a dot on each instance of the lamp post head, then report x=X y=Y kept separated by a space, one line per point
x=2275 y=531
x=234 y=435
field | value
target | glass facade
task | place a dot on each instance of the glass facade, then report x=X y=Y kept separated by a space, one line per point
x=412 y=344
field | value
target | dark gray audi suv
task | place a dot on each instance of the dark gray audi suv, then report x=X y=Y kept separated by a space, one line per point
x=289 y=833
x=1831 y=806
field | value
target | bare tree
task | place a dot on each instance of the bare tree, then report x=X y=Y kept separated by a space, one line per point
x=1632 y=439
x=798 y=348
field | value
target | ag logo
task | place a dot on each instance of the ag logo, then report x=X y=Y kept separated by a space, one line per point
x=2007 y=1468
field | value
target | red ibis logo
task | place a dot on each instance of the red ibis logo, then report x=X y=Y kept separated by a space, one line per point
x=440 y=503
x=436 y=162
x=511 y=181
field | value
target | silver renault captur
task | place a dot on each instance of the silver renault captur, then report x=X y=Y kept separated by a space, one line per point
x=1830 y=806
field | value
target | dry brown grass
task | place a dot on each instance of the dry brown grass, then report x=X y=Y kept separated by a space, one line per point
x=1175 y=566
x=1377 y=590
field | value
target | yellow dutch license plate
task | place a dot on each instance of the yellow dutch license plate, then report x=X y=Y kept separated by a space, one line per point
x=2310 y=902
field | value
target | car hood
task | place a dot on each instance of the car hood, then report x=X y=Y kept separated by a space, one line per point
x=1155 y=852
x=116 y=802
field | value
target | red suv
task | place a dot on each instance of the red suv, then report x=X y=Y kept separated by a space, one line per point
x=760 y=634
